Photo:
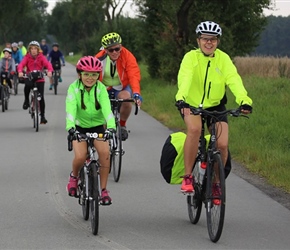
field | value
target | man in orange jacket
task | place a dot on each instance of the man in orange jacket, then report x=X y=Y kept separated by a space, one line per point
x=121 y=75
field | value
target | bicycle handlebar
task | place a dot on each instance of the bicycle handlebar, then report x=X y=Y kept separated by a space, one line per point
x=127 y=100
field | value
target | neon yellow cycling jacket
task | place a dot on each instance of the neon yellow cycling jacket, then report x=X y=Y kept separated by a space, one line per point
x=89 y=117
x=203 y=80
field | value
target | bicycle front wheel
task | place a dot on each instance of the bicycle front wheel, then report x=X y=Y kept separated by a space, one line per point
x=2 y=99
x=116 y=155
x=36 y=113
x=94 y=195
x=84 y=199
x=15 y=83
x=215 y=197
x=55 y=82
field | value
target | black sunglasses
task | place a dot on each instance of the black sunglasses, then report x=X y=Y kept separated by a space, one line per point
x=115 y=49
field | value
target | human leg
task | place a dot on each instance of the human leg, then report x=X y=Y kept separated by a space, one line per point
x=104 y=159
x=193 y=125
x=80 y=153
x=27 y=88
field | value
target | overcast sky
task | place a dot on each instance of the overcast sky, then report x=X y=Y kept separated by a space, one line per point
x=281 y=8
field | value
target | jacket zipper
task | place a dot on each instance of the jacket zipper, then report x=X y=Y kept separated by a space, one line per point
x=204 y=84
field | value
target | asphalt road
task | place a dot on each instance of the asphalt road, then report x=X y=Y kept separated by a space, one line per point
x=147 y=213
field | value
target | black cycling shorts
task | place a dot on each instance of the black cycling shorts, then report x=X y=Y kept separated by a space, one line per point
x=98 y=129
x=219 y=108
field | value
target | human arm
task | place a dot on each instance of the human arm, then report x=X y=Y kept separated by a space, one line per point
x=20 y=57
x=235 y=83
x=62 y=58
x=133 y=71
x=185 y=76
x=71 y=107
x=105 y=104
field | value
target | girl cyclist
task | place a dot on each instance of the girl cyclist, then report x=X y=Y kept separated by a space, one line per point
x=88 y=109
x=34 y=60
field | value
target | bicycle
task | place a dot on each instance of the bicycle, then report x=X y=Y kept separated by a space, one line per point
x=15 y=80
x=56 y=74
x=89 y=187
x=117 y=151
x=5 y=91
x=34 y=97
x=210 y=158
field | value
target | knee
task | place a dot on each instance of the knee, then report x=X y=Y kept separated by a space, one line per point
x=193 y=131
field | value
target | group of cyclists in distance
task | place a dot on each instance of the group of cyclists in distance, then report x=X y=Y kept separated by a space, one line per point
x=203 y=76
x=16 y=59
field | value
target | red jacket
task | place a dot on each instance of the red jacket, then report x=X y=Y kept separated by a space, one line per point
x=35 y=63
x=127 y=68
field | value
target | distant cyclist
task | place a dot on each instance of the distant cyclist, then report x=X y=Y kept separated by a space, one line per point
x=22 y=48
x=121 y=75
x=55 y=56
x=34 y=60
x=44 y=47
x=88 y=109
x=7 y=65
x=16 y=53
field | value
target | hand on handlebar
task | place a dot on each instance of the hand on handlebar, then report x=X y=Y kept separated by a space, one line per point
x=49 y=74
x=138 y=98
x=246 y=109
x=20 y=74
x=109 y=133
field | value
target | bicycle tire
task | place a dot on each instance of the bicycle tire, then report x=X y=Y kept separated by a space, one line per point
x=2 y=99
x=194 y=201
x=36 y=112
x=116 y=156
x=55 y=83
x=15 y=83
x=94 y=194
x=6 y=98
x=215 y=214
x=84 y=200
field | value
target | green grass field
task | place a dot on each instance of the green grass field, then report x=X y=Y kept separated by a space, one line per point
x=260 y=143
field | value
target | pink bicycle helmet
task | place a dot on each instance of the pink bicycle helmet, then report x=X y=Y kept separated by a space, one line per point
x=89 y=64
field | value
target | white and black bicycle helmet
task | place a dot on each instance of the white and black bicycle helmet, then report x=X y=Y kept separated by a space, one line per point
x=208 y=28
x=34 y=43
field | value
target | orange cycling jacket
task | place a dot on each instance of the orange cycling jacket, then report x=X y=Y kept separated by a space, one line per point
x=127 y=67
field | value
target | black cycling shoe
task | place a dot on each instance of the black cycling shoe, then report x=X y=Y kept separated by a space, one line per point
x=25 y=105
x=43 y=120
x=124 y=133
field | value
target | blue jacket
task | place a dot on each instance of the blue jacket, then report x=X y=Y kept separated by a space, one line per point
x=17 y=56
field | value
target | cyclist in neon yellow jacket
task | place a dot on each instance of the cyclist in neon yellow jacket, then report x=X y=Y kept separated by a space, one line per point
x=203 y=77
x=88 y=109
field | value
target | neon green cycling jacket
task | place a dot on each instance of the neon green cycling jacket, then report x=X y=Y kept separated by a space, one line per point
x=203 y=80
x=89 y=117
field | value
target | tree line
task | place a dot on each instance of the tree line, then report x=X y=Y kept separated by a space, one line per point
x=159 y=35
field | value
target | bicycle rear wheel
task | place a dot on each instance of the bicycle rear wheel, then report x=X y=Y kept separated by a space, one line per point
x=116 y=155
x=55 y=82
x=84 y=200
x=215 y=205
x=6 y=98
x=94 y=195
x=2 y=99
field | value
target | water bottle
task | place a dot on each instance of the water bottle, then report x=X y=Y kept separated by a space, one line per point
x=201 y=170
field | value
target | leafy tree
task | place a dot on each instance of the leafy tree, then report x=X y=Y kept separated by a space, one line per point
x=23 y=21
x=170 y=29
x=275 y=39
